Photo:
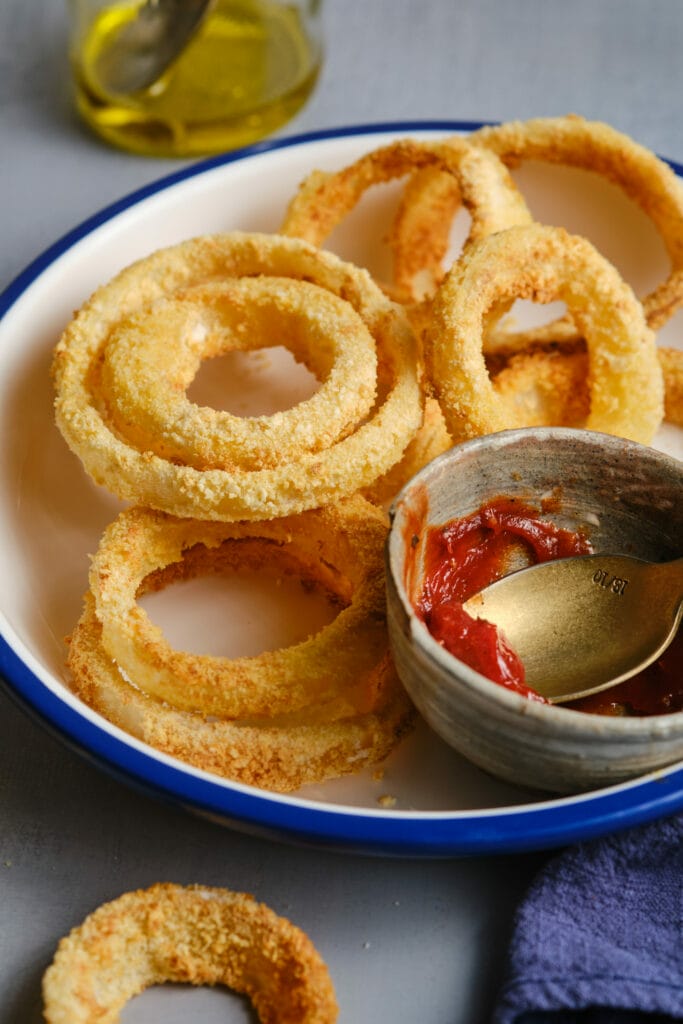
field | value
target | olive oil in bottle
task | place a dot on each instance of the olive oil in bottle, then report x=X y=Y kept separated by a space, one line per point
x=245 y=71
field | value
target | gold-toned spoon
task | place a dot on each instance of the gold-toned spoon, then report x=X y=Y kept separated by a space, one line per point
x=584 y=624
x=148 y=44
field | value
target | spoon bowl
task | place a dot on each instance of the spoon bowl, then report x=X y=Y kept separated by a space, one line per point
x=582 y=625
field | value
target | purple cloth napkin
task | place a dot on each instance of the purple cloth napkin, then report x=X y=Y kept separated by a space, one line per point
x=598 y=938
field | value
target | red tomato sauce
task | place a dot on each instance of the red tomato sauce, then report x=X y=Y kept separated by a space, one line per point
x=466 y=555
x=657 y=690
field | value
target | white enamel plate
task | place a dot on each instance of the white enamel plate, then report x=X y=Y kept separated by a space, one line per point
x=427 y=801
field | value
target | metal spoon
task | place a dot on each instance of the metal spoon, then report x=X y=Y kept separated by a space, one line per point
x=147 y=45
x=584 y=624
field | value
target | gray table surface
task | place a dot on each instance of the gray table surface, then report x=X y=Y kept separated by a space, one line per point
x=406 y=941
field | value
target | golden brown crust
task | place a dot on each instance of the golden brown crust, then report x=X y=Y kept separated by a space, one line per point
x=336 y=666
x=423 y=222
x=300 y=730
x=152 y=357
x=482 y=184
x=595 y=146
x=192 y=934
x=421 y=232
x=542 y=263
x=431 y=439
x=282 y=756
x=550 y=386
x=671 y=360
x=315 y=477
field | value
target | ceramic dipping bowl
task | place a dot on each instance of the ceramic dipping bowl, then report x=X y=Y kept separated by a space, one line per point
x=629 y=498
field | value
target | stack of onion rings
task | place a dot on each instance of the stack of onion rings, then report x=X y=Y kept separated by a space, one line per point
x=217 y=493
x=195 y=935
x=346 y=539
x=314 y=477
x=318 y=709
x=545 y=354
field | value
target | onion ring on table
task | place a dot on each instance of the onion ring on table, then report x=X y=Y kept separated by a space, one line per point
x=191 y=934
x=313 y=478
x=286 y=753
x=550 y=386
x=543 y=263
x=343 y=542
x=152 y=358
x=483 y=184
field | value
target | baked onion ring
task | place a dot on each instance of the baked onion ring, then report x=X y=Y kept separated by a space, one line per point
x=550 y=386
x=432 y=439
x=420 y=237
x=594 y=146
x=286 y=753
x=190 y=934
x=671 y=360
x=542 y=263
x=313 y=478
x=486 y=190
x=420 y=233
x=477 y=179
x=574 y=142
x=152 y=357
x=344 y=543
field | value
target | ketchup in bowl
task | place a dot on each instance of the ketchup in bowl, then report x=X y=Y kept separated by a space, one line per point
x=465 y=555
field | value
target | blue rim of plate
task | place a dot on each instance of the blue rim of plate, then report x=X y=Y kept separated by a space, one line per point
x=544 y=825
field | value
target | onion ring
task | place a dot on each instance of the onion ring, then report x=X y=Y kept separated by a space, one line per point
x=420 y=234
x=546 y=388
x=432 y=439
x=483 y=184
x=152 y=357
x=598 y=147
x=338 y=663
x=287 y=753
x=543 y=263
x=314 y=478
x=487 y=191
x=550 y=386
x=575 y=142
x=671 y=360
x=190 y=934
x=420 y=237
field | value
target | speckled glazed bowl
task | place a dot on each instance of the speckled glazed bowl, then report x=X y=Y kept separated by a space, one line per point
x=631 y=499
